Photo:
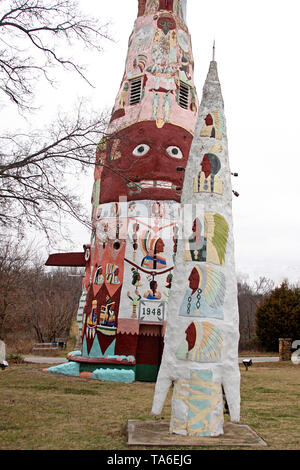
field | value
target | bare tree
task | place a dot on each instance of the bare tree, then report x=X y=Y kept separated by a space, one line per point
x=34 y=302
x=249 y=298
x=263 y=286
x=14 y=276
x=36 y=35
x=36 y=167
x=53 y=302
x=35 y=187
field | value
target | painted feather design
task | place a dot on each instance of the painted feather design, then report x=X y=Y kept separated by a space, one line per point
x=209 y=349
x=214 y=287
x=219 y=123
x=217 y=231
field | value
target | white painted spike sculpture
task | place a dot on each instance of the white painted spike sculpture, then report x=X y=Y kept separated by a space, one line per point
x=200 y=358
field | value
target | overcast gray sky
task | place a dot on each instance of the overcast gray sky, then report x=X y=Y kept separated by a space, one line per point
x=257 y=50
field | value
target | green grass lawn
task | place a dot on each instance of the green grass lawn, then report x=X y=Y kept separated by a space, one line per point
x=44 y=411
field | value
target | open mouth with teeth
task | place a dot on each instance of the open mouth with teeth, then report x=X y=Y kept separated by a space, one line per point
x=157 y=184
x=137 y=187
x=145 y=162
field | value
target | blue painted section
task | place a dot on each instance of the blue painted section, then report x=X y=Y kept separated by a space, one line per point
x=114 y=375
x=111 y=349
x=70 y=368
x=84 y=348
x=95 y=349
x=74 y=353
x=205 y=375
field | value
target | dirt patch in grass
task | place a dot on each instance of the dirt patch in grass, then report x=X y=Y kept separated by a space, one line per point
x=40 y=410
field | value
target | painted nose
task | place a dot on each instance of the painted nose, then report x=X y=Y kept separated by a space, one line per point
x=166 y=29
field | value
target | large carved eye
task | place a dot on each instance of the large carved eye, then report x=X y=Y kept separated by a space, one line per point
x=141 y=150
x=174 y=152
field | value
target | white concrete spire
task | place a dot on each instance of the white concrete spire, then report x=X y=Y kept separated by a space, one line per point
x=201 y=343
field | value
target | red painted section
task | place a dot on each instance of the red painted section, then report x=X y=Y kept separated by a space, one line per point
x=163 y=5
x=117 y=114
x=142 y=6
x=191 y=335
x=166 y=5
x=101 y=360
x=148 y=351
x=66 y=259
x=86 y=375
x=156 y=165
x=128 y=343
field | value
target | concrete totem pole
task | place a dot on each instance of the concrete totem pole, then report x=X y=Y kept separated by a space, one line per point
x=136 y=199
x=200 y=358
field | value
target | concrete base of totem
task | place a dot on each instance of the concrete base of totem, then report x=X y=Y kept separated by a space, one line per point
x=156 y=433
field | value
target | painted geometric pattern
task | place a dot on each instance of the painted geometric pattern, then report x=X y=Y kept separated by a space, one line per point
x=202 y=397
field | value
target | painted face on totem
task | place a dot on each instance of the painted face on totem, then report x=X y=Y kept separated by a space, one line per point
x=210 y=164
x=159 y=247
x=209 y=120
x=190 y=333
x=166 y=23
x=194 y=280
x=145 y=162
x=196 y=230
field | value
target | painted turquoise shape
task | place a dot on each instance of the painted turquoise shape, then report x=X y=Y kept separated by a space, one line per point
x=205 y=375
x=70 y=368
x=77 y=352
x=84 y=347
x=110 y=351
x=95 y=350
x=114 y=375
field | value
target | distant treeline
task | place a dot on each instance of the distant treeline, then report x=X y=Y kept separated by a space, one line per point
x=36 y=304
x=39 y=305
